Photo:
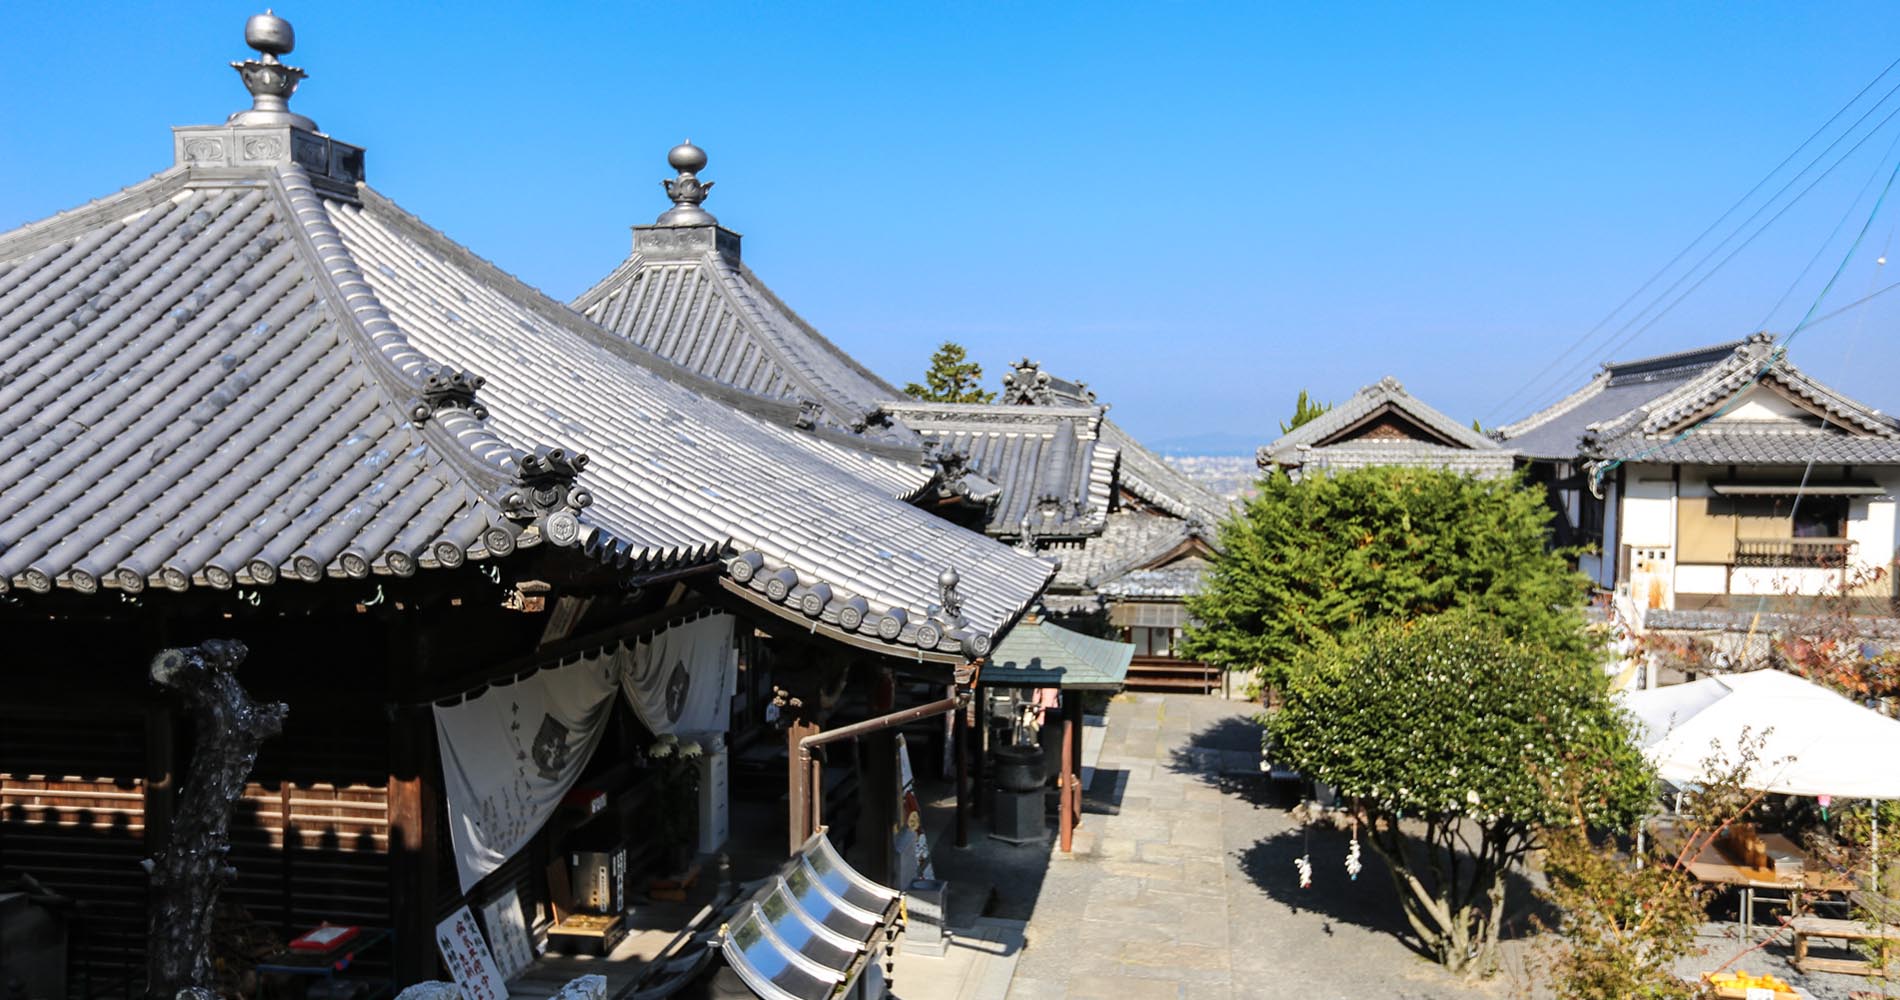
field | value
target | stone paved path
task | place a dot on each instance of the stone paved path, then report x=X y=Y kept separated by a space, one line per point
x=1190 y=891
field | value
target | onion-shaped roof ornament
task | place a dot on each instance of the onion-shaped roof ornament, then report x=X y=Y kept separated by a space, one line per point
x=269 y=79
x=686 y=190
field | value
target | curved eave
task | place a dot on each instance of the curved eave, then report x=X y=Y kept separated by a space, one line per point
x=838 y=613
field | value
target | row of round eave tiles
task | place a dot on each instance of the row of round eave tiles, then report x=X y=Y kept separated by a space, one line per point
x=781 y=586
x=496 y=541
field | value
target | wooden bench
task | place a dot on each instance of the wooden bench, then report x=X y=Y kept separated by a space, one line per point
x=1850 y=932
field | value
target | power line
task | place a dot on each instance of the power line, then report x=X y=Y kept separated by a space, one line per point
x=1680 y=254
x=1632 y=335
x=1625 y=334
x=1780 y=351
x=1872 y=176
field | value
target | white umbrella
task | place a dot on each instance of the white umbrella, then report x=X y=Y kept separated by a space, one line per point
x=1816 y=742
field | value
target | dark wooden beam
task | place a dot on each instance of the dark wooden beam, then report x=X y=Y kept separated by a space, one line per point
x=554 y=652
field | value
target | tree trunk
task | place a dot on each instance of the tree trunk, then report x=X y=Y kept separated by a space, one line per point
x=188 y=874
x=1457 y=914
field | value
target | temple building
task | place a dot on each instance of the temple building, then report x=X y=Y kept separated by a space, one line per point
x=550 y=606
x=1129 y=533
x=1043 y=469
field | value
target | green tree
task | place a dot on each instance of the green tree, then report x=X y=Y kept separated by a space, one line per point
x=1304 y=410
x=952 y=378
x=1315 y=560
x=1465 y=732
x=1623 y=926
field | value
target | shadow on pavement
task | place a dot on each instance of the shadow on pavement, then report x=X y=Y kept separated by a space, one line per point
x=1226 y=756
x=1370 y=901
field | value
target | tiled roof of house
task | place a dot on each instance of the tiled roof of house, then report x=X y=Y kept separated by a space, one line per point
x=685 y=294
x=253 y=366
x=1646 y=410
x=1556 y=432
x=1168 y=583
x=1332 y=440
x=1149 y=478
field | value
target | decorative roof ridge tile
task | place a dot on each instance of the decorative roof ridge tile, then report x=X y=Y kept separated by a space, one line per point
x=1693 y=357
x=536 y=492
x=993 y=413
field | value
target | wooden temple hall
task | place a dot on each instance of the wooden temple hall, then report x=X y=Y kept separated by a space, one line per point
x=554 y=617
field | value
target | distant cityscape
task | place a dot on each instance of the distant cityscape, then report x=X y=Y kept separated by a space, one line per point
x=1231 y=477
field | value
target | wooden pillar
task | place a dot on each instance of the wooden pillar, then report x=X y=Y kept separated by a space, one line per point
x=879 y=784
x=962 y=736
x=801 y=794
x=980 y=786
x=1072 y=711
x=415 y=793
x=1064 y=782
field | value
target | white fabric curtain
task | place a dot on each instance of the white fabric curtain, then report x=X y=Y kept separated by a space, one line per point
x=509 y=756
x=680 y=682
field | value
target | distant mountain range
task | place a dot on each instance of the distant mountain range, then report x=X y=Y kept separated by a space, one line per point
x=1222 y=443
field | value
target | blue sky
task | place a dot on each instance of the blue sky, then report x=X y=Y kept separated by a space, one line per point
x=1197 y=208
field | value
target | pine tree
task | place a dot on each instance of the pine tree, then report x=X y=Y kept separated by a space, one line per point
x=1304 y=411
x=952 y=378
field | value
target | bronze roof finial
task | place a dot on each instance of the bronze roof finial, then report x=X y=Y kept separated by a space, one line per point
x=687 y=190
x=270 y=81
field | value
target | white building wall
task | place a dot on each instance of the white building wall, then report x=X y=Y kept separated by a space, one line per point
x=1870 y=526
x=1770 y=581
x=1649 y=507
x=1701 y=579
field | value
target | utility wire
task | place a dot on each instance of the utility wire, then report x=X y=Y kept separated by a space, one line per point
x=1872 y=176
x=1780 y=351
x=1692 y=244
x=1627 y=334
x=1764 y=227
x=1853 y=343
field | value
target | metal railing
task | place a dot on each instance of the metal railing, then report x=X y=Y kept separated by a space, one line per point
x=1805 y=553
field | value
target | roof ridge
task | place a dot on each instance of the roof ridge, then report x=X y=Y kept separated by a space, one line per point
x=1201 y=501
x=1571 y=401
x=490 y=466
x=130 y=200
x=1363 y=404
x=1744 y=367
x=528 y=297
x=732 y=285
x=1709 y=354
x=758 y=284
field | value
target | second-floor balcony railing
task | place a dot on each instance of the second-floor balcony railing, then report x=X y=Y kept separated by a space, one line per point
x=1799 y=553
